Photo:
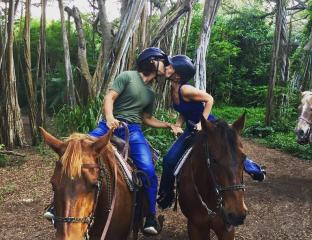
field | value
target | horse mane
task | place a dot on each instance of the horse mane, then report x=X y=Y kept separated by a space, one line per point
x=72 y=159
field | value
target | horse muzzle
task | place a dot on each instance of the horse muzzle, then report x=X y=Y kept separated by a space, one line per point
x=234 y=219
x=303 y=137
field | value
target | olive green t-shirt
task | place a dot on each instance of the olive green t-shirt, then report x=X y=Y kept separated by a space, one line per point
x=135 y=97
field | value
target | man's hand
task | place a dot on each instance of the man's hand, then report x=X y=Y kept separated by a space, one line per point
x=112 y=123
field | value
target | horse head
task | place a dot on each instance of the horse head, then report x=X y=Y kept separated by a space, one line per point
x=76 y=181
x=303 y=128
x=224 y=156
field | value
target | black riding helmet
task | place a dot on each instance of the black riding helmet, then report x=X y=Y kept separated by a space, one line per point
x=152 y=53
x=183 y=66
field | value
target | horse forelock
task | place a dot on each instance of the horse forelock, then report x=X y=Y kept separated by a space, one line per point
x=224 y=131
x=72 y=159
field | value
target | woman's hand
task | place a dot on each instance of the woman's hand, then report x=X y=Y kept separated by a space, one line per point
x=112 y=123
x=176 y=130
x=198 y=126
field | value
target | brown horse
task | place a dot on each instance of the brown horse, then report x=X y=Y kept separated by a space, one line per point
x=90 y=193
x=303 y=129
x=210 y=184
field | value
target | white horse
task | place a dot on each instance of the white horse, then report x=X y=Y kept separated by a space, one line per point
x=304 y=125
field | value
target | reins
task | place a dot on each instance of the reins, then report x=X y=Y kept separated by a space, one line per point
x=219 y=190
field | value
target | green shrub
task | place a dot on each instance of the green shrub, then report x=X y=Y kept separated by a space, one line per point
x=78 y=119
x=3 y=159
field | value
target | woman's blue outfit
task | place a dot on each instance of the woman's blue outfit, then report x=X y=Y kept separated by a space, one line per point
x=191 y=112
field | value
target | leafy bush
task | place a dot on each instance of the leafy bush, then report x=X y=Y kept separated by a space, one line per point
x=78 y=119
x=3 y=160
x=160 y=138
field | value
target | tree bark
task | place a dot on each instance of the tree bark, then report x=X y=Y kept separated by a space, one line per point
x=209 y=15
x=42 y=64
x=70 y=86
x=82 y=51
x=275 y=66
x=122 y=40
x=187 y=31
x=30 y=87
x=12 y=130
x=167 y=24
x=107 y=41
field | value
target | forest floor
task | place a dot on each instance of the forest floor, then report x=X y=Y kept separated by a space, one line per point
x=279 y=208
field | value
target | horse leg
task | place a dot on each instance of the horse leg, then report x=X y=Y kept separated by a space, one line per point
x=197 y=233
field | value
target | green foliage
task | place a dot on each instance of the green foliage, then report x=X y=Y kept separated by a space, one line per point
x=78 y=119
x=286 y=141
x=161 y=139
x=3 y=160
x=239 y=54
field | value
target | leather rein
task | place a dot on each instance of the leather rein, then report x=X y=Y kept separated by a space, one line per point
x=104 y=173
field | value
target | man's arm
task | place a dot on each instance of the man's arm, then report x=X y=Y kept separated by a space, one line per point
x=151 y=121
x=108 y=106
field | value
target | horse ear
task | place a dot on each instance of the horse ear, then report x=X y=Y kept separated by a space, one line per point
x=206 y=125
x=57 y=145
x=239 y=124
x=99 y=144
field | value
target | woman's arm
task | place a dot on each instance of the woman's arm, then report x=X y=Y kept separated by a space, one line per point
x=191 y=93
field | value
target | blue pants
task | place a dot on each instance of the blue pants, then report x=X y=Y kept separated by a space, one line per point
x=140 y=154
x=171 y=159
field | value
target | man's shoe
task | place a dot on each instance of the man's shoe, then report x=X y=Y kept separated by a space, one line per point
x=49 y=213
x=151 y=225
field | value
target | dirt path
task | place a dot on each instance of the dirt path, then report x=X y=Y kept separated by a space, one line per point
x=279 y=208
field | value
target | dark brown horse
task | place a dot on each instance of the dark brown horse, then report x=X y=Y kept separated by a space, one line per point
x=210 y=184
x=86 y=195
x=304 y=125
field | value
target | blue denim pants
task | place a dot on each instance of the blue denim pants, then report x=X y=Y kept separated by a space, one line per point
x=140 y=154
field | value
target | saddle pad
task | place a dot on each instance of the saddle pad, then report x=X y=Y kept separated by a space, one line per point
x=125 y=169
x=182 y=161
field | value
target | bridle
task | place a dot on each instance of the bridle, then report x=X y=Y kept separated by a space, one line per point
x=218 y=189
x=104 y=173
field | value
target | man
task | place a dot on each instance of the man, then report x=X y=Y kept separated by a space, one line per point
x=131 y=100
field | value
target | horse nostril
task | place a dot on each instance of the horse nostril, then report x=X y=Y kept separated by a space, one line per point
x=300 y=132
x=236 y=219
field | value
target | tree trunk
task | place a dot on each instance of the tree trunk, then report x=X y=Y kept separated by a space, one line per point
x=187 y=31
x=143 y=28
x=122 y=40
x=107 y=41
x=42 y=64
x=209 y=15
x=12 y=130
x=30 y=87
x=167 y=24
x=275 y=66
x=70 y=86
x=82 y=51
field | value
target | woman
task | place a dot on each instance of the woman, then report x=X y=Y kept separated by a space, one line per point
x=191 y=103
